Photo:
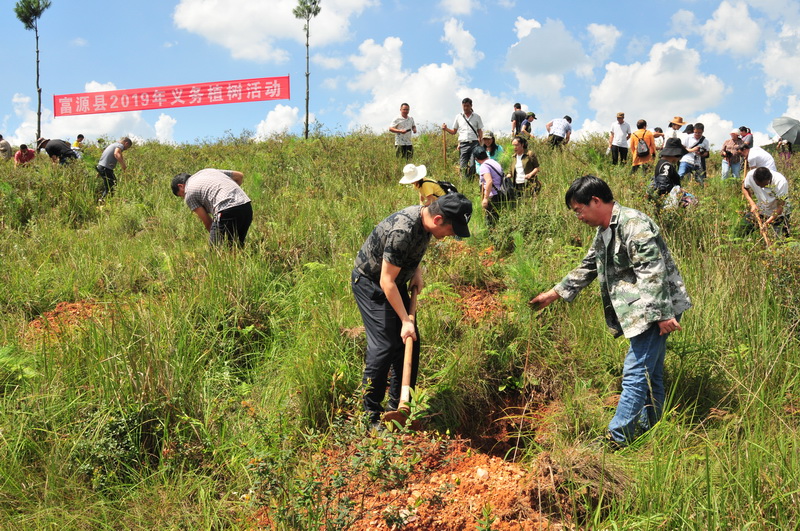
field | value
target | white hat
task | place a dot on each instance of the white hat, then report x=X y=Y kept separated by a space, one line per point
x=412 y=174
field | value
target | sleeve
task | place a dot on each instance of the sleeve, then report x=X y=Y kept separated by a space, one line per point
x=580 y=277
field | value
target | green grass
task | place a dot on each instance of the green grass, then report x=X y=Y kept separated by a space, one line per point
x=151 y=413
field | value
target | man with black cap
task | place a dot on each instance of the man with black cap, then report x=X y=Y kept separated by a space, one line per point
x=387 y=265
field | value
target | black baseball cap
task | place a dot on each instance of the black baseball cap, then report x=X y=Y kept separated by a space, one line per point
x=457 y=209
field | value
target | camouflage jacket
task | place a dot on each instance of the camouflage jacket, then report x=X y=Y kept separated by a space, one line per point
x=639 y=282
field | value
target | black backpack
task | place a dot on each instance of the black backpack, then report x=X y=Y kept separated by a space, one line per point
x=448 y=187
x=507 y=191
x=642 y=149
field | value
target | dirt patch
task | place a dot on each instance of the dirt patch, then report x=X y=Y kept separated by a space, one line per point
x=448 y=486
x=65 y=317
x=480 y=303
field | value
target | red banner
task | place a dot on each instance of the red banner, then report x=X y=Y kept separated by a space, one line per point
x=217 y=93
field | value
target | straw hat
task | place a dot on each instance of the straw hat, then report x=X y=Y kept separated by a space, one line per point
x=412 y=174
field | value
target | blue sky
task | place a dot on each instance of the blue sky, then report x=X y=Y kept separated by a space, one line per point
x=725 y=63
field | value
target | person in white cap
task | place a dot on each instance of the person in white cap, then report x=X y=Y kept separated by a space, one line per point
x=731 y=155
x=429 y=191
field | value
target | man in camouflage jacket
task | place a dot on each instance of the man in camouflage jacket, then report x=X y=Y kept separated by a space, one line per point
x=643 y=297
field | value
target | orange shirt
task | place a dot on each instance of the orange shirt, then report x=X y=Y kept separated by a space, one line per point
x=647 y=136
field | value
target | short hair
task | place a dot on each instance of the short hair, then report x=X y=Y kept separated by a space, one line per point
x=480 y=153
x=583 y=189
x=435 y=209
x=518 y=106
x=466 y=100
x=521 y=141
x=658 y=130
x=568 y=118
x=405 y=105
x=762 y=175
x=181 y=178
x=641 y=124
x=126 y=140
x=23 y=147
x=700 y=126
x=80 y=137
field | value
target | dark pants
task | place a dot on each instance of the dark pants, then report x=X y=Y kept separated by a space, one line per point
x=405 y=152
x=231 y=225
x=618 y=154
x=465 y=159
x=68 y=156
x=109 y=180
x=385 y=349
x=555 y=140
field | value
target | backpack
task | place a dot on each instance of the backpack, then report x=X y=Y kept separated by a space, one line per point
x=448 y=187
x=642 y=149
x=507 y=190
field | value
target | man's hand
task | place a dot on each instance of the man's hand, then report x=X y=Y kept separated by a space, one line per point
x=543 y=300
x=408 y=330
x=670 y=325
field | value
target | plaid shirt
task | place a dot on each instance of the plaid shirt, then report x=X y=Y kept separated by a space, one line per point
x=639 y=282
x=214 y=190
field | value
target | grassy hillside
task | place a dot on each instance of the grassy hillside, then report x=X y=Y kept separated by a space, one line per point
x=149 y=382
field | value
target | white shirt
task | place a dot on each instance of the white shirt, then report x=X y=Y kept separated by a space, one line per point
x=758 y=158
x=621 y=132
x=768 y=196
x=520 y=177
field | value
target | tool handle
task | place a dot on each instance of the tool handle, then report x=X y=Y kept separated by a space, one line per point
x=408 y=359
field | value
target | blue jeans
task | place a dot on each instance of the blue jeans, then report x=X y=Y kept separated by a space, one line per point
x=642 y=397
x=728 y=168
x=685 y=167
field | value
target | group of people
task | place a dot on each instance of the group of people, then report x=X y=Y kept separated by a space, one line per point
x=643 y=292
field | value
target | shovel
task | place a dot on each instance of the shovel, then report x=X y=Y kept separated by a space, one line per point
x=401 y=415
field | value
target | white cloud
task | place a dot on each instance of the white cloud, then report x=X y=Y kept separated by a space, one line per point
x=781 y=61
x=524 y=26
x=258 y=24
x=543 y=74
x=670 y=83
x=278 y=121
x=459 y=7
x=462 y=45
x=377 y=63
x=604 y=39
x=683 y=22
x=79 y=42
x=793 y=107
x=434 y=92
x=165 y=127
x=731 y=29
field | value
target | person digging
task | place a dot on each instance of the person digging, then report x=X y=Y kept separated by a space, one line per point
x=386 y=267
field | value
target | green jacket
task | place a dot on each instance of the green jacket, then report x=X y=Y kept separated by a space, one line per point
x=639 y=282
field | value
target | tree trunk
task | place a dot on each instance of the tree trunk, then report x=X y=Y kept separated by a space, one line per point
x=305 y=130
x=38 y=88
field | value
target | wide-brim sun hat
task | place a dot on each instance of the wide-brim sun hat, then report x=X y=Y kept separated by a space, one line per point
x=678 y=120
x=412 y=174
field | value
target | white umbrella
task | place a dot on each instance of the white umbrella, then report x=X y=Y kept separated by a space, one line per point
x=788 y=128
